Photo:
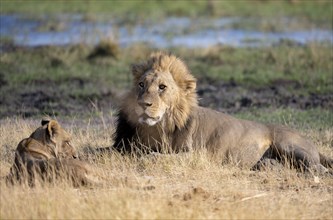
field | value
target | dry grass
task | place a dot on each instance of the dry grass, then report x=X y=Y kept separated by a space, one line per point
x=164 y=187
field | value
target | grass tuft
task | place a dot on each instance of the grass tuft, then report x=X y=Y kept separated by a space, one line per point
x=105 y=48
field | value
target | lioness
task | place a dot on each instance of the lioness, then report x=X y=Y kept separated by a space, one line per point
x=161 y=113
x=48 y=154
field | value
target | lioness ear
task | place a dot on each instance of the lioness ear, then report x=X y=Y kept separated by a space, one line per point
x=45 y=121
x=53 y=128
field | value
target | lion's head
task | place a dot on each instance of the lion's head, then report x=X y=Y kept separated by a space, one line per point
x=164 y=91
x=49 y=141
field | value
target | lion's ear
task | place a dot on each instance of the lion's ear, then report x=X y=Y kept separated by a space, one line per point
x=138 y=70
x=53 y=128
x=191 y=85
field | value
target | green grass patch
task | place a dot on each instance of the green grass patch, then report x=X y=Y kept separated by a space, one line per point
x=318 y=13
x=300 y=119
x=308 y=68
x=59 y=64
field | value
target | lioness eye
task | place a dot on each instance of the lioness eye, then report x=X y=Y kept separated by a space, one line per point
x=141 y=84
x=161 y=87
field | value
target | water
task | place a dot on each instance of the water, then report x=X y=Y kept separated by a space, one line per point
x=172 y=32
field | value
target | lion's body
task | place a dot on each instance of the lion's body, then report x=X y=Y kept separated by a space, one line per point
x=47 y=154
x=161 y=114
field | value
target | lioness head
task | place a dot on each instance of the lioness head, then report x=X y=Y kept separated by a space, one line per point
x=49 y=142
x=53 y=141
x=164 y=90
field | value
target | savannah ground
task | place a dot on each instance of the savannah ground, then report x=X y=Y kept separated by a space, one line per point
x=169 y=186
x=80 y=86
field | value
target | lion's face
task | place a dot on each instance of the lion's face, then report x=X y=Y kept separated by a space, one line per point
x=55 y=139
x=157 y=91
x=164 y=90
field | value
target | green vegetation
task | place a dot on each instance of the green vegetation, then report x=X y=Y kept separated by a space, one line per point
x=82 y=79
x=309 y=13
x=299 y=119
x=309 y=67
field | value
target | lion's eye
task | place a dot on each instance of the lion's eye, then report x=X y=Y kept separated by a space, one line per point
x=141 y=84
x=161 y=87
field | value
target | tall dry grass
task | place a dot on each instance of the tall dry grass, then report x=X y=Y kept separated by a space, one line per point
x=166 y=187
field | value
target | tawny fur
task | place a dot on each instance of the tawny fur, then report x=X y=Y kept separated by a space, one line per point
x=48 y=155
x=161 y=113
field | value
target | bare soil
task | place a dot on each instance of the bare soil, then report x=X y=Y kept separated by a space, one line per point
x=233 y=97
x=44 y=97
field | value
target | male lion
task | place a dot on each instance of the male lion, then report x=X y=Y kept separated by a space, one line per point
x=161 y=113
x=48 y=154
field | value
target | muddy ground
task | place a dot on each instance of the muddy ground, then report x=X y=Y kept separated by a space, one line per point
x=232 y=97
x=45 y=98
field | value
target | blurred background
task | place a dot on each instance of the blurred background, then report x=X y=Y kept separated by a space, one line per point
x=269 y=60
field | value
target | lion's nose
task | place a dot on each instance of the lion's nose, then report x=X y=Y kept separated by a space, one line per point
x=145 y=103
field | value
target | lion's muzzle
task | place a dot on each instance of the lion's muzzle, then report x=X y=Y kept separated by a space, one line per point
x=146 y=119
x=149 y=113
